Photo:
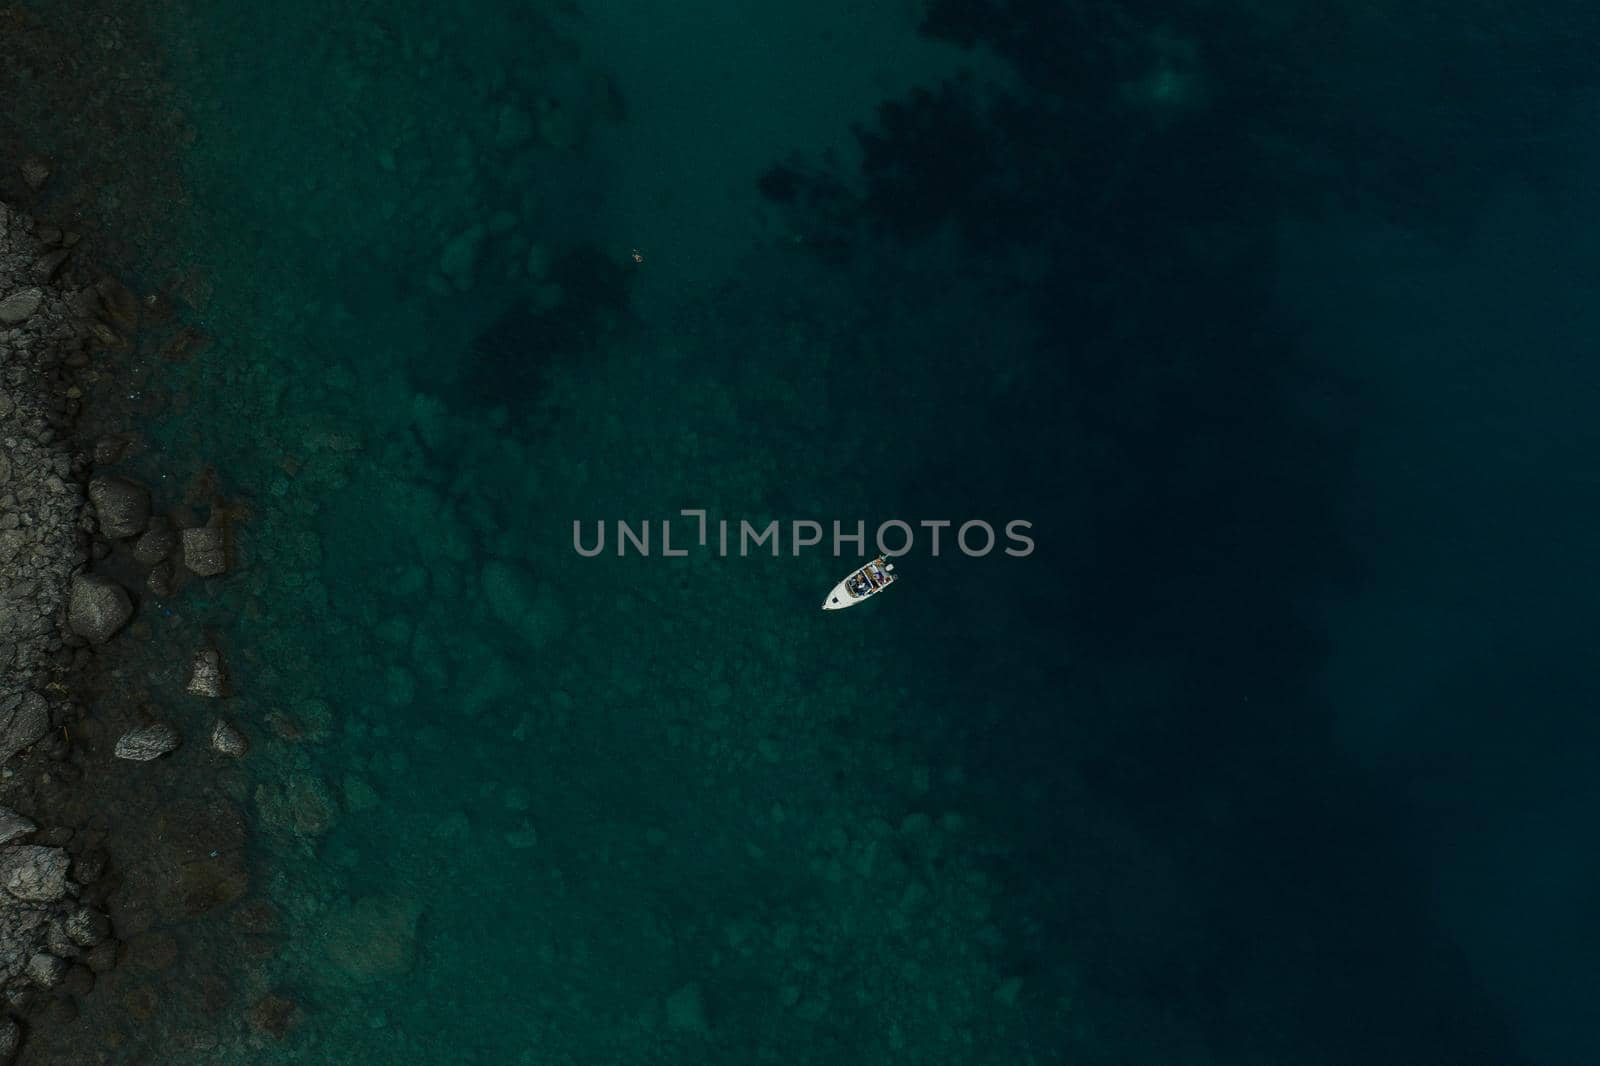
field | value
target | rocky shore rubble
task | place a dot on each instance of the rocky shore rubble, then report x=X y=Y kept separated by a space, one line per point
x=50 y=938
x=45 y=931
x=40 y=497
x=122 y=858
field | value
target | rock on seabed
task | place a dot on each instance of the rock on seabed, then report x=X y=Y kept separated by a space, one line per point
x=159 y=541
x=148 y=742
x=227 y=740
x=33 y=873
x=372 y=940
x=97 y=607
x=122 y=506
x=205 y=678
x=203 y=551
x=527 y=607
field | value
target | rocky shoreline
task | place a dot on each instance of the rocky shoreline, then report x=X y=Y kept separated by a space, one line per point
x=41 y=335
x=54 y=933
x=129 y=923
x=97 y=866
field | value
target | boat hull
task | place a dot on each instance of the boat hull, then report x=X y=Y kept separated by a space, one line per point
x=841 y=596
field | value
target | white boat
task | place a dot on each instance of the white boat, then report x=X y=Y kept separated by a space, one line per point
x=863 y=584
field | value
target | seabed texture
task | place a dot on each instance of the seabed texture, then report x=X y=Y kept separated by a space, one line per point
x=374 y=301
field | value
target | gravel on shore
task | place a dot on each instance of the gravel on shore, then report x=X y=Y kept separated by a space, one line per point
x=42 y=332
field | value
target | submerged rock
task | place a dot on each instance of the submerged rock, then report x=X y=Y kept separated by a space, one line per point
x=118 y=302
x=514 y=126
x=204 y=552
x=97 y=607
x=273 y=1014
x=35 y=171
x=89 y=867
x=161 y=581
x=158 y=542
x=310 y=808
x=32 y=873
x=122 y=506
x=206 y=676
x=374 y=939
x=459 y=260
x=50 y=264
x=148 y=742
x=528 y=608
x=359 y=795
x=525 y=836
x=110 y=449
x=101 y=958
x=686 y=1010
x=538 y=263
x=228 y=741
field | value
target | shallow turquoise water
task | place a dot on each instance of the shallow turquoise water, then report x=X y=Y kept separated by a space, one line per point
x=554 y=809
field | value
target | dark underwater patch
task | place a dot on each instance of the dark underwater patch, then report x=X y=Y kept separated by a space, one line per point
x=510 y=362
x=1210 y=511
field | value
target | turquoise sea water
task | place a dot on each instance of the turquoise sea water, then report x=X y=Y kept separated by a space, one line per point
x=556 y=809
x=1236 y=307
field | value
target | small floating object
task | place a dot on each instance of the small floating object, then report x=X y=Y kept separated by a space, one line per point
x=866 y=582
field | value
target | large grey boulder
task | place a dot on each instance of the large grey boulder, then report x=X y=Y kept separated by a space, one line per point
x=148 y=742
x=24 y=720
x=122 y=506
x=204 y=552
x=97 y=607
x=32 y=873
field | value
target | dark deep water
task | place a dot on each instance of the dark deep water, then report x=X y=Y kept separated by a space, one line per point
x=1276 y=322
